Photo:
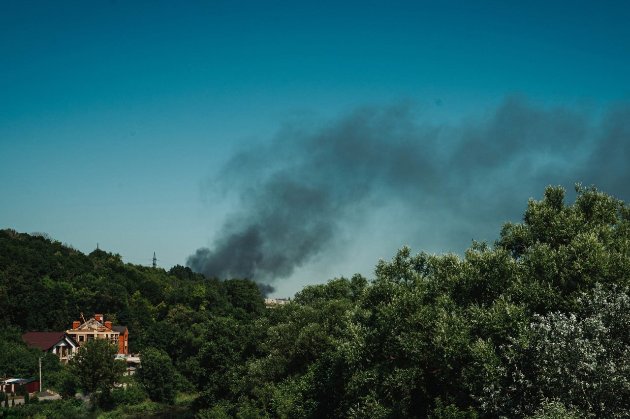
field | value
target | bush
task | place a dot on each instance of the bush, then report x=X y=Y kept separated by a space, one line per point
x=67 y=409
x=554 y=410
x=145 y=409
x=130 y=395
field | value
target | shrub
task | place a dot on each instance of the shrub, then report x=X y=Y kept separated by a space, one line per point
x=130 y=395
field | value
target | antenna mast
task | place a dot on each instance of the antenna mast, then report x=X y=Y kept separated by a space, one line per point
x=154 y=261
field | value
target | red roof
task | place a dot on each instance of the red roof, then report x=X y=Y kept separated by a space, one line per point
x=43 y=340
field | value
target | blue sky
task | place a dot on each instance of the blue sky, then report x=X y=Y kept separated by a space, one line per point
x=124 y=123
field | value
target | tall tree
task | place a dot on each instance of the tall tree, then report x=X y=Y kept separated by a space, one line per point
x=95 y=367
x=157 y=375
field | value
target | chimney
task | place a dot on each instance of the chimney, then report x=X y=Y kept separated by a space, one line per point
x=98 y=318
x=76 y=324
x=108 y=324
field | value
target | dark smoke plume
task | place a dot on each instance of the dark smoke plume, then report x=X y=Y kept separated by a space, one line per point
x=300 y=191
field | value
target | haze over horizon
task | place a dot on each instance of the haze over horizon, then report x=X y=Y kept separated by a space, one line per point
x=299 y=142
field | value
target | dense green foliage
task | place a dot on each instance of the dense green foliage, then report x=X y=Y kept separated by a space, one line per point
x=536 y=325
x=45 y=285
x=67 y=409
x=157 y=375
x=95 y=367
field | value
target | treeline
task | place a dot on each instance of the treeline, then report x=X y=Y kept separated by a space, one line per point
x=536 y=325
x=45 y=285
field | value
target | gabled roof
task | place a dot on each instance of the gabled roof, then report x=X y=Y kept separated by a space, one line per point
x=91 y=324
x=19 y=381
x=45 y=340
x=119 y=329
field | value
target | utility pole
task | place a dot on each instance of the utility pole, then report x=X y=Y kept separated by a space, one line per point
x=41 y=388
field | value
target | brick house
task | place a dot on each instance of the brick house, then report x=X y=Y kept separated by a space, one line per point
x=97 y=328
x=123 y=339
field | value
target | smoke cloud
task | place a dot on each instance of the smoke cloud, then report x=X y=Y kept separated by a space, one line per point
x=303 y=191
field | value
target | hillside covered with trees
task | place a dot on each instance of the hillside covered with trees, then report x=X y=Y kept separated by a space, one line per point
x=534 y=325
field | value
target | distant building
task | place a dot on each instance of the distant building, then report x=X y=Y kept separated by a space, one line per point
x=58 y=343
x=275 y=302
x=132 y=361
x=123 y=339
x=15 y=385
x=97 y=328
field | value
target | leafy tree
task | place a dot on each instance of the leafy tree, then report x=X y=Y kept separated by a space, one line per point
x=245 y=297
x=157 y=375
x=67 y=384
x=581 y=360
x=451 y=412
x=554 y=410
x=130 y=395
x=182 y=272
x=16 y=359
x=95 y=367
